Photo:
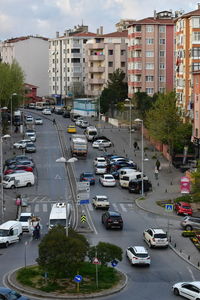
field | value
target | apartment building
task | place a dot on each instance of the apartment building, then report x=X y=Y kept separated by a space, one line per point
x=151 y=54
x=196 y=124
x=187 y=61
x=31 y=52
x=104 y=54
x=67 y=62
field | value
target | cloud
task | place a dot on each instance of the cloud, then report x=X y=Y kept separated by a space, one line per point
x=6 y=23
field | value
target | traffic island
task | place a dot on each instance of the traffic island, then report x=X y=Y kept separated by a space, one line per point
x=32 y=283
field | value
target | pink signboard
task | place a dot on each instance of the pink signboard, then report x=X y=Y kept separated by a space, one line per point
x=185 y=185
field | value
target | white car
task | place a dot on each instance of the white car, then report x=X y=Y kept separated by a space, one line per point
x=31 y=135
x=189 y=290
x=21 y=144
x=24 y=219
x=38 y=121
x=155 y=238
x=101 y=144
x=117 y=159
x=107 y=180
x=46 y=111
x=101 y=201
x=138 y=255
x=99 y=169
x=100 y=161
x=78 y=121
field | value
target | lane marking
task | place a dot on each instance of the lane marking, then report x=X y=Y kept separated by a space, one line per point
x=191 y=273
x=123 y=208
x=90 y=207
x=115 y=206
x=90 y=219
x=36 y=209
x=44 y=207
x=43 y=198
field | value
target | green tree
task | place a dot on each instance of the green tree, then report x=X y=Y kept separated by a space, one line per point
x=106 y=252
x=196 y=184
x=143 y=103
x=60 y=255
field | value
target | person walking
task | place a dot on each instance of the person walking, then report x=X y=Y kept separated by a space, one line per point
x=158 y=164
x=156 y=172
x=136 y=147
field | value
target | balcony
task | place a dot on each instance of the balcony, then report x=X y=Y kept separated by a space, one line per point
x=96 y=81
x=96 y=69
x=96 y=57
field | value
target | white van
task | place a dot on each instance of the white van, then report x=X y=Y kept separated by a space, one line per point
x=10 y=232
x=90 y=132
x=126 y=171
x=14 y=180
x=125 y=179
x=58 y=215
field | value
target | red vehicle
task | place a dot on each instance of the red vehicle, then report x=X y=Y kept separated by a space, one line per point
x=17 y=168
x=183 y=208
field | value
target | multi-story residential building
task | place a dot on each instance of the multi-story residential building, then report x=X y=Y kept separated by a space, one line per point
x=104 y=54
x=151 y=54
x=31 y=52
x=67 y=62
x=196 y=124
x=123 y=24
x=188 y=60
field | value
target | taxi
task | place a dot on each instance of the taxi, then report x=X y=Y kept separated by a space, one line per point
x=71 y=129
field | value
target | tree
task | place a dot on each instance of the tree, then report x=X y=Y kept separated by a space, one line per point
x=196 y=184
x=60 y=255
x=143 y=103
x=106 y=252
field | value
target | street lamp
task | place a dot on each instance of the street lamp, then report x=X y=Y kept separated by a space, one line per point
x=2 y=194
x=130 y=120
x=142 y=154
x=63 y=160
x=11 y=112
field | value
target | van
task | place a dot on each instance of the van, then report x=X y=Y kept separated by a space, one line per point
x=14 y=180
x=135 y=186
x=125 y=179
x=58 y=215
x=91 y=132
x=31 y=135
x=126 y=171
x=10 y=232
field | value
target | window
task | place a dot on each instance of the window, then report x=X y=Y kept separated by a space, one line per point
x=162 y=29
x=149 y=41
x=123 y=52
x=110 y=52
x=195 y=66
x=197 y=115
x=162 y=90
x=123 y=64
x=149 y=90
x=149 y=28
x=196 y=22
x=162 y=53
x=162 y=66
x=75 y=50
x=196 y=52
x=162 y=78
x=149 y=54
x=196 y=132
x=75 y=60
x=162 y=41
x=138 y=28
x=110 y=64
x=149 y=66
x=149 y=78
x=196 y=36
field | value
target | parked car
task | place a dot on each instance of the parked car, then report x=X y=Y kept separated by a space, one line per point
x=99 y=169
x=38 y=121
x=138 y=255
x=46 y=111
x=135 y=186
x=101 y=201
x=12 y=168
x=30 y=148
x=120 y=164
x=100 y=161
x=183 y=208
x=112 y=219
x=31 y=135
x=21 y=144
x=84 y=124
x=190 y=223
x=107 y=180
x=24 y=162
x=16 y=158
x=189 y=290
x=78 y=121
x=66 y=114
x=8 y=294
x=155 y=238
x=101 y=144
x=87 y=176
x=71 y=129
x=100 y=137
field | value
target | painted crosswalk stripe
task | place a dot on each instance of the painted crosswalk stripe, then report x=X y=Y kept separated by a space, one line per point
x=37 y=208
x=44 y=207
x=123 y=208
x=34 y=199
x=90 y=207
x=28 y=209
x=115 y=206
x=42 y=199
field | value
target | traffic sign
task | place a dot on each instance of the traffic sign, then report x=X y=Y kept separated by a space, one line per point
x=83 y=218
x=82 y=185
x=84 y=201
x=169 y=207
x=96 y=261
x=78 y=278
x=114 y=262
x=83 y=196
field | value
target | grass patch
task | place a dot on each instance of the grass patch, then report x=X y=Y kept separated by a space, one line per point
x=162 y=203
x=107 y=278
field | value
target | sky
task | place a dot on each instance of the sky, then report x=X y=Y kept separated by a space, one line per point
x=46 y=17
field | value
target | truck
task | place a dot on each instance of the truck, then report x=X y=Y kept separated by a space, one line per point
x=79 y=145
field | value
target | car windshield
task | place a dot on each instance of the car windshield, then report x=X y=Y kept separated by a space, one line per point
x=54 y=222
x=108 y=177
x=142 y=255
x=160 y=236
x=4 y=232
x=24 y=218
x=92 y=133
x=101 y=167
x=13 y=295
x=87 y=175
x=186 y=206
x=102 y=199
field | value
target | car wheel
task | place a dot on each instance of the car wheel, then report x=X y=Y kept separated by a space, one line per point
x=177 y=212
x=107 y=227
x=121 y=227
x=102 y=220
x=188 y=227
x=28 y=184
x=12 y=187
x=6 y=244
x=176 y=292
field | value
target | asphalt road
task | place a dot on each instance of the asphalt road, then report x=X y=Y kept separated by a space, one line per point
x=144 y=283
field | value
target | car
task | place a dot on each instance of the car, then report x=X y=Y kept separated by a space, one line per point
x=84 y=124
x=183 y=208
x=189 y=290
x=87 y=176
x=190 y=223
x=117 y=159
x=74 y=117
x=8 y=294
x=38 y=121
x=12 y=168
x=100 y=137
x=71 y=129
x=112 y=219
x=24 y=219
x=100 y=161
x=101 y=201
x=99 y=169
x=155 y=238
x=30 y=148
x=31 y=135
x=24 y=162
x=138 y=255
x=66 y=114
x=46 y=111
x=16 y=158
x=135 y=186
x=78 y=121
x=21 y=144
x=101 y=144
x=107 y=180
x=120 y=164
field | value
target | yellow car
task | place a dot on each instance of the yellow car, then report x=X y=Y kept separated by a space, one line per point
x=71 y=129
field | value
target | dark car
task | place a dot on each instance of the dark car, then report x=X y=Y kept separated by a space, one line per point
x=120 y=164
x=30 y=148
x=66 y=114
x=87 y=176
x=16 y=159
x=8 y=294
x=112 y=219
x=135 y=186
x=100 y=137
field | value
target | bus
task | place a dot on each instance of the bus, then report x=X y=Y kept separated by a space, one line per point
x=41 y=105
x=59 y=215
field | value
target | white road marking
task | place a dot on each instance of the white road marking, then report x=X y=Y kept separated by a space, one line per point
x=28 y=209
x=43 y=199
x=123 y=207
x=44 y=207
x=90 y=207
x=36 y=209
x=34 y=199
x=57 y=177
x=115 y=206
x=191 y=273
x=90 y=219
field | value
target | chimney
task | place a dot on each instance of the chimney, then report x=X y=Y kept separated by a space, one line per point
x=155 y=15
x=57 y=34
x=101 y=29
x=198 y=5
x=98 y=31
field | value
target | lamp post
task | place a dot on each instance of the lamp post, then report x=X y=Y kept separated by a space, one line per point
x=142 y=154
x=130 y=120
x=63 y=160
x=11 y=111
x=2 y=193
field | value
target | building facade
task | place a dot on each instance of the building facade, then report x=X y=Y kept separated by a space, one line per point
x=32 y=55
x=104 y=54
x=151 y=55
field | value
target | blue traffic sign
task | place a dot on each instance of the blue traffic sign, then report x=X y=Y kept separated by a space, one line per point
x=84 y=201
x=169 y=207
x=78 y=278
x=114 y=262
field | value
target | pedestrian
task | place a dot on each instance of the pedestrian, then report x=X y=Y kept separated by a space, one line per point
x=135 y=145
x=54 y=122
x=158 y=165
x=36 y=232
x=156 y=172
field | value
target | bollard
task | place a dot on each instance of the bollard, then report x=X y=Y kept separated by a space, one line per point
x=171 y=183
x=198 y=264
x=174 y=245
x=135 y=154
x=180 y=250
x=126 y=155
x=188 y=257
x=166 y=191
x=170 y=239
x=158 y=184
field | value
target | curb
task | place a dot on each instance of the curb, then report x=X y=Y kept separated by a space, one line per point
x=9 y=280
